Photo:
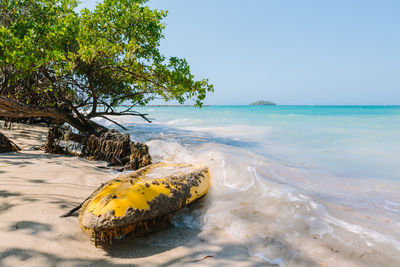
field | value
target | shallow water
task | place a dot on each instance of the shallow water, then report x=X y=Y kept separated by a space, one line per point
x=296 y=184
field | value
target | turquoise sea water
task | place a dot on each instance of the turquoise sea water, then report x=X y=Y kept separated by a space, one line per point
x=317 y=177
x=361 y=141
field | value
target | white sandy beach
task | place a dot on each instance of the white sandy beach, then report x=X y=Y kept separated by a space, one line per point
x=36 y=188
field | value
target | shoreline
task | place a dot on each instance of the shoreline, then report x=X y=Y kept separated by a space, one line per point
x=250 y=217
x=37 y=188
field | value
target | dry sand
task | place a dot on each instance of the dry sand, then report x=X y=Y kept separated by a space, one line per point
x=36 y=188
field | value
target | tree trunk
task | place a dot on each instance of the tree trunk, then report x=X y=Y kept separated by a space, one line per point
x=13 y=109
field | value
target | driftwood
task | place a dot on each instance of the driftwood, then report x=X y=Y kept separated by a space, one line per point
x=112 y=146
x=6 y=145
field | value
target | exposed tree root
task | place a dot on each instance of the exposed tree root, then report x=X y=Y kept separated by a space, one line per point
x=112 y=146
x=6 y=145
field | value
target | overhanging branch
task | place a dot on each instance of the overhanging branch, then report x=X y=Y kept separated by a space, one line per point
x=132 y=113
x=12 y=108
x=114 y=122
x=17 y=109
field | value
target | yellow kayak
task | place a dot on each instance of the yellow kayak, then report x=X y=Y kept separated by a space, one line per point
x=137 y=201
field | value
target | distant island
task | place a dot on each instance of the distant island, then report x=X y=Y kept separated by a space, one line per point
x=262 y=103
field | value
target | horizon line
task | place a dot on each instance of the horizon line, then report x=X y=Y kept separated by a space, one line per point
x=333 y=105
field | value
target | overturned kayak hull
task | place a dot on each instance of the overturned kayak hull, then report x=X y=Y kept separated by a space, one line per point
x=141 y=200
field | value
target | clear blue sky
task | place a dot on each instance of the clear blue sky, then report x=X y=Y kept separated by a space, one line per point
x=290 y=52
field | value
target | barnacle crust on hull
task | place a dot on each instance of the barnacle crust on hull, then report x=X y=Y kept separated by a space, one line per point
x=142 y=199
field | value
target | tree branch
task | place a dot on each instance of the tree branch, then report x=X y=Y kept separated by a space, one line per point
x=114 y=122
x=146 y=79
x=133 y=113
